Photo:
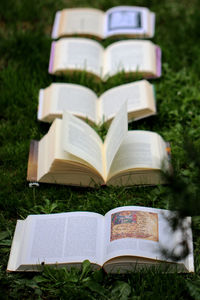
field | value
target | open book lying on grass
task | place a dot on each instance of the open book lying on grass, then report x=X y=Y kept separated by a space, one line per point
x=72 y=153
x=131 y=21
x=81 y=54
x=84 y=103
x=128 y=238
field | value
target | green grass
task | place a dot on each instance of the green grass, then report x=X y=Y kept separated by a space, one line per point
x=25 y=28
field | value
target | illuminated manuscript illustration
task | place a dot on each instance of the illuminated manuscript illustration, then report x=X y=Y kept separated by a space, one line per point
x=124 y=20
x=134 y=224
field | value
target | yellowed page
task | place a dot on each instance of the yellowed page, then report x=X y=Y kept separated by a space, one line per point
x=130 y=56
x=78 y=54
x=50 y=149
x=115 y=136
x=46 y=150
x=137 y=94
x=74 y=98
x=81 y=21
x=81 y=140
x=151 y=102
x=139 y=149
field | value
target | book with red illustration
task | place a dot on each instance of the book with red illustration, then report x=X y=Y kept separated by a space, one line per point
x=128 y=238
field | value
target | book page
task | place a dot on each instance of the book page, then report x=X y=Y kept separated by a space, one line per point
x=139 y=149
x=74 y=98
x=81 y=140
x=46 y=149
x=115 y=135
x=138 y=231
x=126 y=20
x=78 y=54
x=63 y=238
x=130 y=56
x=51 y=149
x=17 y=246
x=81 y=21
x=134 y=93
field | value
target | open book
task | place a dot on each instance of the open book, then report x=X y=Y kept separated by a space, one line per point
x=131 y=21
x=84 y=103
x=128 y=238
x=81 y=54
x=72 y=153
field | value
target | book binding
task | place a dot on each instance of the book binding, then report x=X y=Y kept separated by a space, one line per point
x=153 y=21
x=40 y=104
x=32 y=161
x=51 y=60
x=158 y=61
x=56 y=24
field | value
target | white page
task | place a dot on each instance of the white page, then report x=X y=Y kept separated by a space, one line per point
x=129 y=56
x=115 y=135
x=63 y=237
x=84 y=236
x=126 y=20
x=134 y=93
x=139 y=149
x=81 y=140
x=17 y=246
x=73 y=98
x=139 y=231
x=78 y=54
x=81 y=21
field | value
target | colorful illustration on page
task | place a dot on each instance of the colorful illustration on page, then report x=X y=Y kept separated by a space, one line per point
x=134 y=224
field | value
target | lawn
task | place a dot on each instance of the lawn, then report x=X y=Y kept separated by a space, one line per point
x=25 y=28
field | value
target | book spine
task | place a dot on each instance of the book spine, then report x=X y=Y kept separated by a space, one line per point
x=158 y=61
x=154 y=92
x=51 y=60
x=40 y=104
x=153 y=21
x=32 y=161
x=54 y=34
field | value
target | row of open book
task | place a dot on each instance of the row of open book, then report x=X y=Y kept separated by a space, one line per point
x=130 y=56
x=71 y=152
x=127 y=238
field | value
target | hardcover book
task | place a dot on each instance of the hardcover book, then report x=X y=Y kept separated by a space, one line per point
x=128 y=238
x=84 y=103
x=130 y=21
x=72 y=153
x=137 y=57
